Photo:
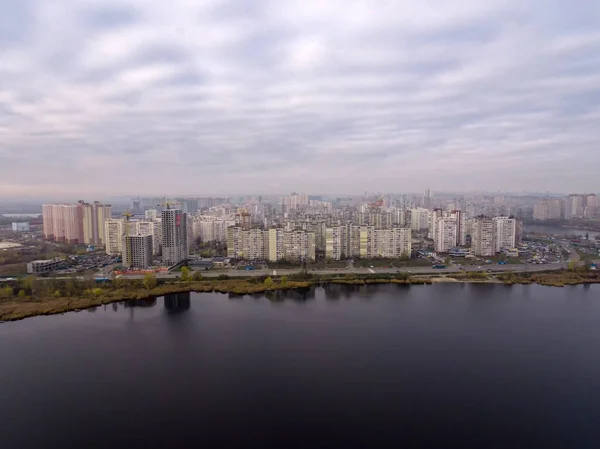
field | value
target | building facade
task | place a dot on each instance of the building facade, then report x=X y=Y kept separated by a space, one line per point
x=446 y=234
x=137 y=251
x=505 y=231
x=174 y=236
x=483 y=239
x=80 y=223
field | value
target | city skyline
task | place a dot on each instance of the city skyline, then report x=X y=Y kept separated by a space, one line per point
x=108 y=97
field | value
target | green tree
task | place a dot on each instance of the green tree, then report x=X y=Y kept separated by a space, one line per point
x=185 y=274
x=447 y=260
x=284 y=280
x=572 y=265
x=6 y=292
x=22 y=294
x=197 y=276
x=56 y=293
x=27 y=284
x=119 y=283
x=269 y=283
x=150 y=281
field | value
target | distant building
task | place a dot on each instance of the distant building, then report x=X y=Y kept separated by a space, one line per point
x=44 y=266
x=21 y=227
x=174 y=236
x=137 y=251
x=116 y=230
x=483 y=241
x=548 y=209
x=505 y=233
x=419 y=219
x=94 y=215
x=367 y=242
x=446 y=234
x=80 y=223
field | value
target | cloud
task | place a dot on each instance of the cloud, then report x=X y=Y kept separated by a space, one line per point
x=220 y=96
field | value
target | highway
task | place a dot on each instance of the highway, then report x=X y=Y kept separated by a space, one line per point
x=337 y=271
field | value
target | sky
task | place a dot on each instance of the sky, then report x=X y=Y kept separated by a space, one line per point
x=132 y=97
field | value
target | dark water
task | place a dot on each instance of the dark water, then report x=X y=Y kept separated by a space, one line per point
x=452 y=365
x=558 y=230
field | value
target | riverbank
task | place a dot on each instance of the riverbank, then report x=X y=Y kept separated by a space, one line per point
x=24 y=306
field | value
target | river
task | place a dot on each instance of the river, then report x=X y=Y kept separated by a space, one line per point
x=559 y=230
x=446 y=365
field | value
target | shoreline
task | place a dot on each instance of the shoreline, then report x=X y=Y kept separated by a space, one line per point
x=21 y=308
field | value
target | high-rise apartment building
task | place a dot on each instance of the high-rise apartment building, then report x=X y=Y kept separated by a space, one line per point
x=483 y=241
x=547 y=209
x=505 y=230
x=174 y=236
x=419 y=218
x=366 y=242
x=432 y=222
x=94 y=216
x=446 y=234
x=115 y=230
x=137 y=251
x=80 y=223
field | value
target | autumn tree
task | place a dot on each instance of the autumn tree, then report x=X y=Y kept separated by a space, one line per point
x=150 y=281
x=269 y=283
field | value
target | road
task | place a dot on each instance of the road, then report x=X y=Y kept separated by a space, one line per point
x=375 y=270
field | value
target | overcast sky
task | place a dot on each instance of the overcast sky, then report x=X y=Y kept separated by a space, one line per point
x=203 y=97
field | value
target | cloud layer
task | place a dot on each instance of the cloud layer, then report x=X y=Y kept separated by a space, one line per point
x=197 y=97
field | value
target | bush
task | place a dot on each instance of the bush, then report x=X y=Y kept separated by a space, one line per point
x=150 y=281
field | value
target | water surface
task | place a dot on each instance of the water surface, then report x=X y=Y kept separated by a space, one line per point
x=384 y=366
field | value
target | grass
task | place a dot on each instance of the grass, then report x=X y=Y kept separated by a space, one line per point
x=13 y=269
x=18 y=308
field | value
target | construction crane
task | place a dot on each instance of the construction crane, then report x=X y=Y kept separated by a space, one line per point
x=169 y=204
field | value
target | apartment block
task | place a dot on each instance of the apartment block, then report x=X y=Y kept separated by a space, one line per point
x=483 y=239
x=446 y=234
x=137 y=251
x=367 y=242
x=419 y=219
x=80 y=223
x=174 y=236
x=505 y=230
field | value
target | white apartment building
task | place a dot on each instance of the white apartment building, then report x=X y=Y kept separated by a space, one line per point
x=547 y=209
x=505 y=230
x=419 y=219
x=115 y=231
x=461 y=226
x=210 y=228
x=446 y=234
x=273 y=244
x=366 y=242
x=252 y=244
x=433 y=217
x=483 y=240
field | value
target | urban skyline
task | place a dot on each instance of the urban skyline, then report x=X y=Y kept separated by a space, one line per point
x=223 y=96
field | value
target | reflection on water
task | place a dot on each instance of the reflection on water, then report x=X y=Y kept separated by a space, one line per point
x=150 y=302
x=300 y=295
x=177 y=302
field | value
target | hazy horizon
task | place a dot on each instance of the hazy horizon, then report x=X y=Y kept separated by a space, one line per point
x=103 y=97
